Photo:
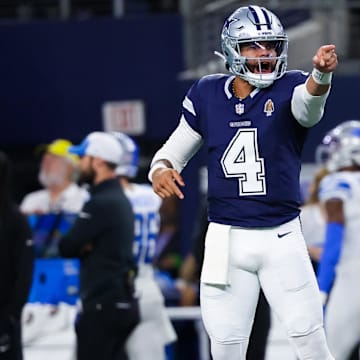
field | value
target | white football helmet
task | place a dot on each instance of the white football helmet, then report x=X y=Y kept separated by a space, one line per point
x=340 y=147
x=129 y=162
x=254 y=24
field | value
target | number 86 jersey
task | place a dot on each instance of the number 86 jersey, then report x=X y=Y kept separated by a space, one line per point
x=254 y=149
x=145 y=204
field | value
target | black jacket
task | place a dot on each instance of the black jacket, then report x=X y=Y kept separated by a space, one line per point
x=102 y=237
x=16 y=263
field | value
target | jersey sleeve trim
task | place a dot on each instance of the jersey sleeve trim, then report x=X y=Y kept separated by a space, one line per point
x=188 y=105
x=334 y=188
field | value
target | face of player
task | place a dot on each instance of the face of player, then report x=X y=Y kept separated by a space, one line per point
x=261 y=56
x=54 y=170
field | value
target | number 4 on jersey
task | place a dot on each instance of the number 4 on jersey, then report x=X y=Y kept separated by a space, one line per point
x=241 y=160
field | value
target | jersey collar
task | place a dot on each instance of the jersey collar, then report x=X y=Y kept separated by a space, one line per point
x=228 y=91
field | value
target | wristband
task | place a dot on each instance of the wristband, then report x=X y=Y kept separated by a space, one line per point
x=158 y=165
x=321 y=78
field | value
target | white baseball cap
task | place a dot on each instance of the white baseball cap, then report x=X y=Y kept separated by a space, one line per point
x=99 y=144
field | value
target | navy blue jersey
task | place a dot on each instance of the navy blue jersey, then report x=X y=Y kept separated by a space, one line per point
x=254 y=149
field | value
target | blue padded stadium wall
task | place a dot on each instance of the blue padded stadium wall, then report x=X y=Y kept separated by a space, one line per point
x=56 y=75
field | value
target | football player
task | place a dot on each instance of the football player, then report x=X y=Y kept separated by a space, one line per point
x=155 y=330
x=253 y=123
x=51 y=212
x=340 y=194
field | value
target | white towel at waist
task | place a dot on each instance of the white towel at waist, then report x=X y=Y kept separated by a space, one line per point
x=216 y=256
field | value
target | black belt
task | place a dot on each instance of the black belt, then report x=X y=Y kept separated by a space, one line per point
x=99 y=307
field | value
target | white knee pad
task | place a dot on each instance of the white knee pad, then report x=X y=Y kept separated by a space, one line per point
x=311 y=346
x=220 y=315
x=223 y=334
x=226 y=351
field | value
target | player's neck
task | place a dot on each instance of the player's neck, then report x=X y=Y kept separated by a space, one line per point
x=241 y=88
x=124 y=182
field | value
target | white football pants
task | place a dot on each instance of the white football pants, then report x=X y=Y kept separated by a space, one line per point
x=342 y=315
x=155 y=330
x=277 y=260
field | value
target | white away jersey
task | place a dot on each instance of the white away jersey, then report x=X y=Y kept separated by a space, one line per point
x=146 y=205
x=313 y=225
x=345 y=185
x=71 y=200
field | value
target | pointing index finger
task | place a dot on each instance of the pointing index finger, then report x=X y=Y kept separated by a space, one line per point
x=178 y=180
x=328 y=48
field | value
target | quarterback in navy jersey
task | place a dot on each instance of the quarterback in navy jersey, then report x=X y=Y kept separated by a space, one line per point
x=253 y=123
x=243 y=139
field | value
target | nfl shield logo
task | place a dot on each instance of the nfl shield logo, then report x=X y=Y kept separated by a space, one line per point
x=239 y=108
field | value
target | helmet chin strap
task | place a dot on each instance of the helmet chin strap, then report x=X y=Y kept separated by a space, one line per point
x=259 y=80
x=261 y=84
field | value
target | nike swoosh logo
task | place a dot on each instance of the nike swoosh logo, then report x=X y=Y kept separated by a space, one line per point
x=284 y=234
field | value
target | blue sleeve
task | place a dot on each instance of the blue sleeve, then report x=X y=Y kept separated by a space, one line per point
x=330 y=256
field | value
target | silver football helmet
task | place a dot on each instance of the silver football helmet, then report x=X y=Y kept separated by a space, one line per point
x=252 y=25
x=340 y=147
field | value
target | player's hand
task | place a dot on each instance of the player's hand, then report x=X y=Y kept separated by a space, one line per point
x=166 y=183
x=325 y=59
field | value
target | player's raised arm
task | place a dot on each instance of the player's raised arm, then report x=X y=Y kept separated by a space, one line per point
x=309 y=99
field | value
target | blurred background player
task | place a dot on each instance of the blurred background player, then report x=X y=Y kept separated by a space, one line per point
x=102 y=238
x=51 y=212
x=313 y=218
x=58 y=174
x=155 y=330
x=16 y=266
x=339 y=268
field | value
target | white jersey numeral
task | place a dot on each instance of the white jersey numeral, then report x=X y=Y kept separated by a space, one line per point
x=146 y=232
x=241 y=160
